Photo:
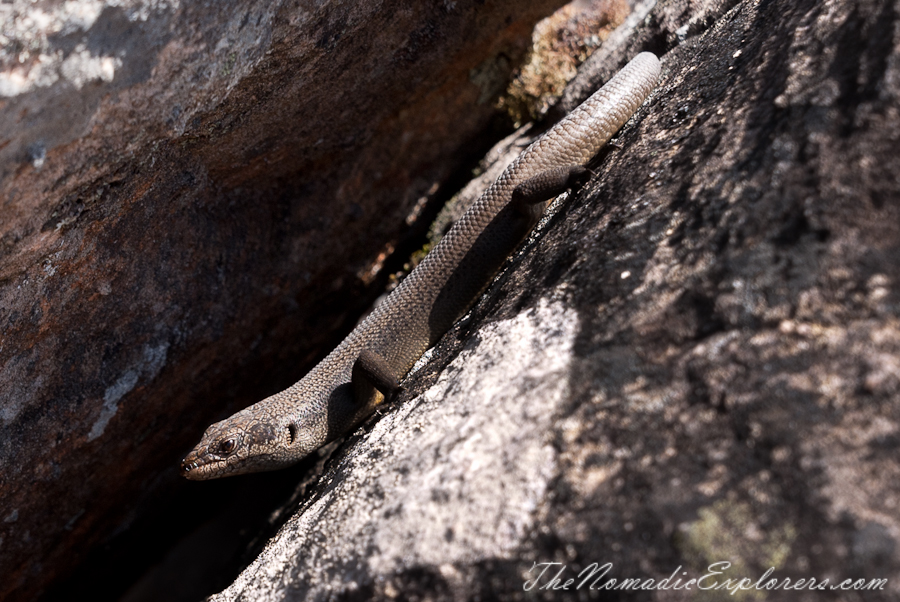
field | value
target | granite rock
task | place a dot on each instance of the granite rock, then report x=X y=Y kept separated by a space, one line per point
x=693 y=362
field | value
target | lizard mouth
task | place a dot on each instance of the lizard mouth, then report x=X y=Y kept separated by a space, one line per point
x=192 y=467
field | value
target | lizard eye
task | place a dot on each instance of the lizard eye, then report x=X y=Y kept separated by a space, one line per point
x=226 y=447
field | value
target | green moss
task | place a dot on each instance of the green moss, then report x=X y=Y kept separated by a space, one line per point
x=729 y=531
x=229 y=63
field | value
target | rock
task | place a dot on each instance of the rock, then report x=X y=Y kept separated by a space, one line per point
x=694 y=362
x=196 y=202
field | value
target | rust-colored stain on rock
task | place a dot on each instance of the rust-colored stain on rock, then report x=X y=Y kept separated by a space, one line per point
x=181 y=228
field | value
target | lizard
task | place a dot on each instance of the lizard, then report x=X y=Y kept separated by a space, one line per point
x=367 y=366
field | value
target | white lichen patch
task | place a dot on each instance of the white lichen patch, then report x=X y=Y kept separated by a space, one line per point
x=28 y=58
x=148 y=367
x=82 y=67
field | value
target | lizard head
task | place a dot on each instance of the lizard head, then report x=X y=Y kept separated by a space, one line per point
x=241 y=444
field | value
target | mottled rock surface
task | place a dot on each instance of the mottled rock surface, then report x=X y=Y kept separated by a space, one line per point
x=196 y=200
x=696 y=361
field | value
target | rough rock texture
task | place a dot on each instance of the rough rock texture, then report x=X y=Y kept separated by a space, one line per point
x=695 y=362
x=195 y=202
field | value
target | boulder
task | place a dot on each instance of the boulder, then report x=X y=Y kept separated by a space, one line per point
x=197 y=201
x=694 y=362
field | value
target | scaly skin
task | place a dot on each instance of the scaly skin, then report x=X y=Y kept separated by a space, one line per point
x=282 y=429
